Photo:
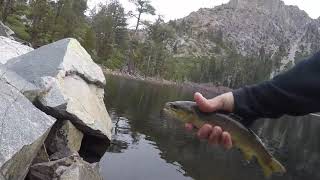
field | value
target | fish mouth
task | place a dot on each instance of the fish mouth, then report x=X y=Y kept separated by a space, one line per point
x=162 y=113
x=166 y=112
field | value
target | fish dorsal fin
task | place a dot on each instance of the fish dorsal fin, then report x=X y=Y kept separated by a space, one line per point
x=234 y=116
x=257 y=137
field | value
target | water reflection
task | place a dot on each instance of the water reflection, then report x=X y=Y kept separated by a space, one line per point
x=147 y=147
x=297 y=141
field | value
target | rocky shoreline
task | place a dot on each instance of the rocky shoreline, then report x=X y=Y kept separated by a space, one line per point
x=54 y=124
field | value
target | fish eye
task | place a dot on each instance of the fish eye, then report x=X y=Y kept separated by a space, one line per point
x=174 y=106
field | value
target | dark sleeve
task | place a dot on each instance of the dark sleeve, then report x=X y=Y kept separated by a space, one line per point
x=295 y=92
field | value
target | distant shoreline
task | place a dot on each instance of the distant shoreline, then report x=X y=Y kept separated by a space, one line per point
x=207 y=89
x=141 y=78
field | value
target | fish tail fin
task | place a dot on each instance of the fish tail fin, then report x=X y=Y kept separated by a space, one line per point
x=277 y=167
x=273 y=166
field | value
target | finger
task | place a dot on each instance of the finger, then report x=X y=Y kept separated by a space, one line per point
x=206 y=105
x=188 y=126
x=215 y=136
x=226 y=140
x=205 y=131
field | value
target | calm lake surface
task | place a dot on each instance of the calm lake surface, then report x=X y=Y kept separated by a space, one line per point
x=146 y=147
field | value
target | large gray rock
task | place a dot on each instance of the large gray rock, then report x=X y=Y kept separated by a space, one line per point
x=74 y=81
x=11 y=49
x=69 y=168
x=81 y=170
x=28 y=89
x=63 y=140
x=23 y=128
x=58 y=60
x=5 y=30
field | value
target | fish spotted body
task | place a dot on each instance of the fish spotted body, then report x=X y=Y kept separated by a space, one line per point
x=243 y=138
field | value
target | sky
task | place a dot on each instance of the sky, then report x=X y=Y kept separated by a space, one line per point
x=175 y=9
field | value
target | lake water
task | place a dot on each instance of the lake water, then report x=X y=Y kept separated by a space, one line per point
x=146 y=147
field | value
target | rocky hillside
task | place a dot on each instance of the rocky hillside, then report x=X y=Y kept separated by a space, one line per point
x=253 y=29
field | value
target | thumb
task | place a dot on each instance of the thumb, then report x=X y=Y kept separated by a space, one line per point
x=206 y=105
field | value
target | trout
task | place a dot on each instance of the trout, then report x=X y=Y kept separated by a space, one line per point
x=243 y=138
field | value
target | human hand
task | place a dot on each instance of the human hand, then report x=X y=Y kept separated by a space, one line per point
x=214 y=134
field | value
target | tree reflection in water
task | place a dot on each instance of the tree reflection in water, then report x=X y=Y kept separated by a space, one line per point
x=134 y=107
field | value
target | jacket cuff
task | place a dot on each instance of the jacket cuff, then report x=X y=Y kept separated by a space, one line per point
x=241 y=107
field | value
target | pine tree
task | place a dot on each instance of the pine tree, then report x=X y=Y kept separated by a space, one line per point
x=13 y=13
x=142 y=7
x=109 y=24
x=42 y=18
x=89 y=41
x=7 y=9
x=69 y=19
x=156 y=53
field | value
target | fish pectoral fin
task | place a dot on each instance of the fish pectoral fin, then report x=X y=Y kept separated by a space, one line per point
x=247 y=155
x=273 y=166
x=276 y=166
x=267 y=171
